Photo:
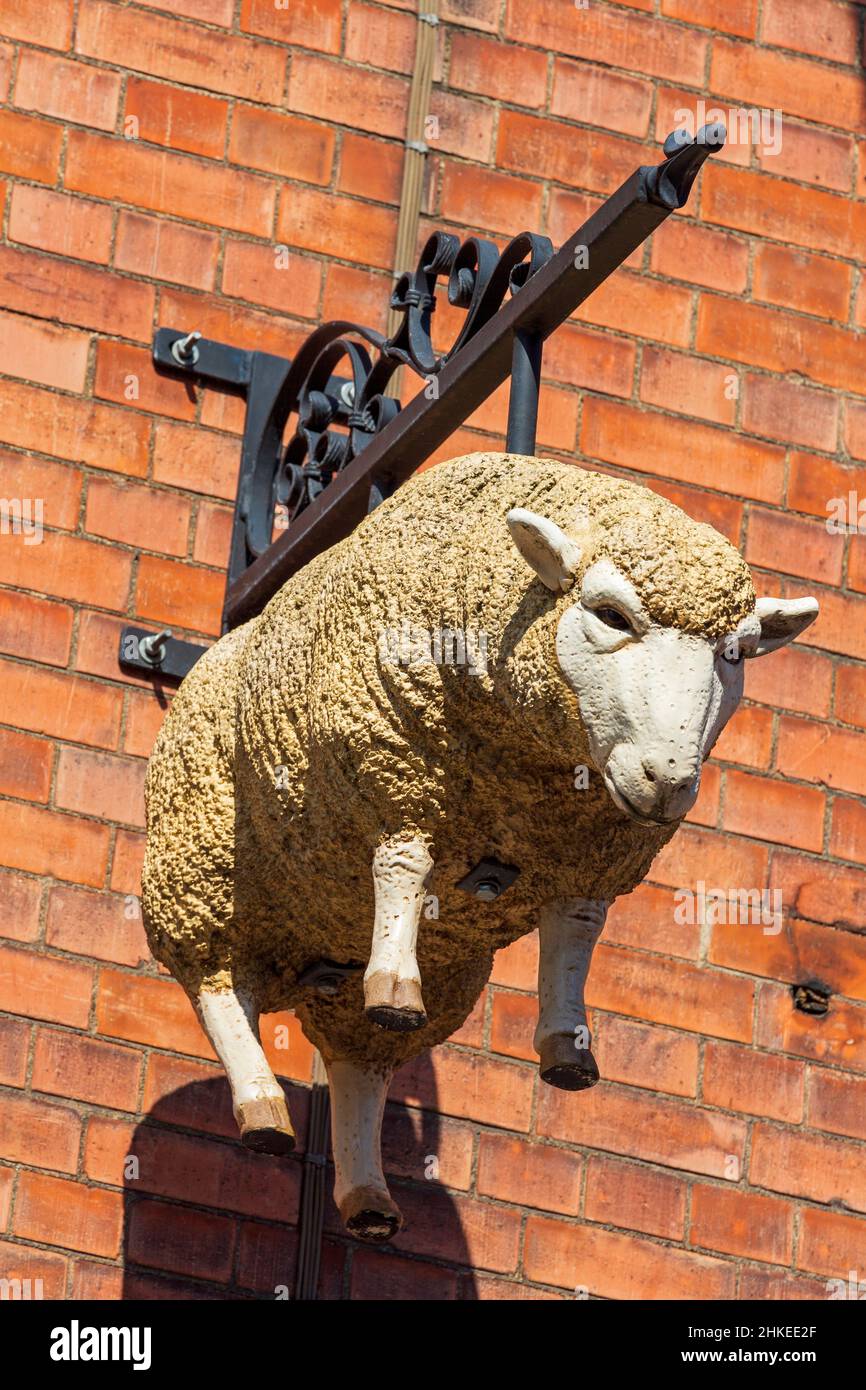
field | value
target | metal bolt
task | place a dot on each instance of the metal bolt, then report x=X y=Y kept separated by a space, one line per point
x=347 y=393
x=487 y=890
x=152 y=649
x=184 y=350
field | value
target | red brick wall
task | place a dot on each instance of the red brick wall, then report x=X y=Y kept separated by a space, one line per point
x=723 y=1155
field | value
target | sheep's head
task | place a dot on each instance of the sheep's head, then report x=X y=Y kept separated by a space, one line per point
x=660 y=619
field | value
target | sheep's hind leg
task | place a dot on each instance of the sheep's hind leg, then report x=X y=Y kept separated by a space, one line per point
x=568 y=931
x=392 y=982
x=360 y=1191
x=230 y=1020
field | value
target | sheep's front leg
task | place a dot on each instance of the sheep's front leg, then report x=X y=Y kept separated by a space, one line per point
x=568 y=931
x=357 y=1104
x=392 y=983
x=231 y=1022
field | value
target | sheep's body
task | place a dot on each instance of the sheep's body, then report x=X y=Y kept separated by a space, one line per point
x=293 y=750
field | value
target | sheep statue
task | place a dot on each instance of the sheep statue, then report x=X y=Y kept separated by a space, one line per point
x=326 y=782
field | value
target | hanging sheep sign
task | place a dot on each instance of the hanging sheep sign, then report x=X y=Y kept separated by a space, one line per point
x=349 y=825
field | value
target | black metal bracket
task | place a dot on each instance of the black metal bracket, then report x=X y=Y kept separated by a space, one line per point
x=489 y=879
x=352 y=443
x=157 y=653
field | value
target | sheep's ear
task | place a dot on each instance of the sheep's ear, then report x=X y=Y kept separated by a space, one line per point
x=782 y=620
x=548 y=550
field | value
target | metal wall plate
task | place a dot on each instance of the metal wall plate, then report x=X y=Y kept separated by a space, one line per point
x=157 y=653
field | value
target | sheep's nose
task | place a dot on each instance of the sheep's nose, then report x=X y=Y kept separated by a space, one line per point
x=669 y=776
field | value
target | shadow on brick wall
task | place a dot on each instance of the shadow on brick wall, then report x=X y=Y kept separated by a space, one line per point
x=205 y=1218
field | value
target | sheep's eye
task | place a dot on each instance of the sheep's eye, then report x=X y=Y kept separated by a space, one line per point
x=611 y=617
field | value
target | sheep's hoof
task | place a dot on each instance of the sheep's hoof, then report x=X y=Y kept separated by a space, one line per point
x=369 y=1214
x=565 y=1066
x=393 y=1003
x=265 y=1126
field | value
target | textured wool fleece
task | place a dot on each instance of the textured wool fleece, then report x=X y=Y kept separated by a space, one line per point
x=296 y=746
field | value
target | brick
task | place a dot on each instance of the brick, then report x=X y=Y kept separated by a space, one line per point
x=302 y=26
x=150 y=1011
x=527 y=144
x=43 y=842
x=786 y=410
x=517 y=964
x=181 y=52
x=640 y=1125
x=80 y=431
x=776 y=340
x=370 y=168
x=489 y=200
x=29 y=148
x=637 y=1198
x=489 y=68
x=815 y=753
x=748 y=738
x=696 y=855
x=798 y=280
x=227 y=321
x=367 y=100
x=687 y=385
x=378 y=1275
x=645 y=920
x=595 y=361
x=146 y=711
x=597 y=96
x=125 y=374
x=180 y=1092
x=82 y=295
x=65 y=1064
x=777 y=1284
x=267 y=1257
x=814 y=156
x=176 y=117
x=831 y=1243
x=97 y=784
x=266 y=275
x=7 y=55
x=163 y=181
x=45 y=987
x=459 y=1229
x=96 y=924
x=742 y=1223
x=848 y=831
x=738 y=17
x=796 y=85
x=181 y=1240
x=755 y=1082
x=25 y=766
x=50 y=26
x=837 y=1102
x=48 y=702
x=855 y=433
x=557 y=416
x=774 y=810
x=789 y=545
x=819 y=891
x=14 y=1046
x=70 y=91
x=46 y=1136
x=128 y=857
x=507 y=1291
x=35 y=627
x=213 y=532
x=19 y=1262
x=612 y=1265
x=808 y=1165
x=316 y=221
x=612 y=37
x=57 y=222
x=138 y=516
x=835 y=1037
x=535 y=1175
x=281 y=144
x=840 y=625
x=69 y=567
x=622 y=981
x=857 y=565
x=750 y=202
x=687 y=451
x=166 y=250
x=814 y=481
x=682 y=250
x=169 y=592
x=20 y=900
x=724 y=513
x=469 y=1087
x=658 y=1058
x=382 y=39
x=43 y=352
x=822 y=29
x=91 y=1280
x=851 y=694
